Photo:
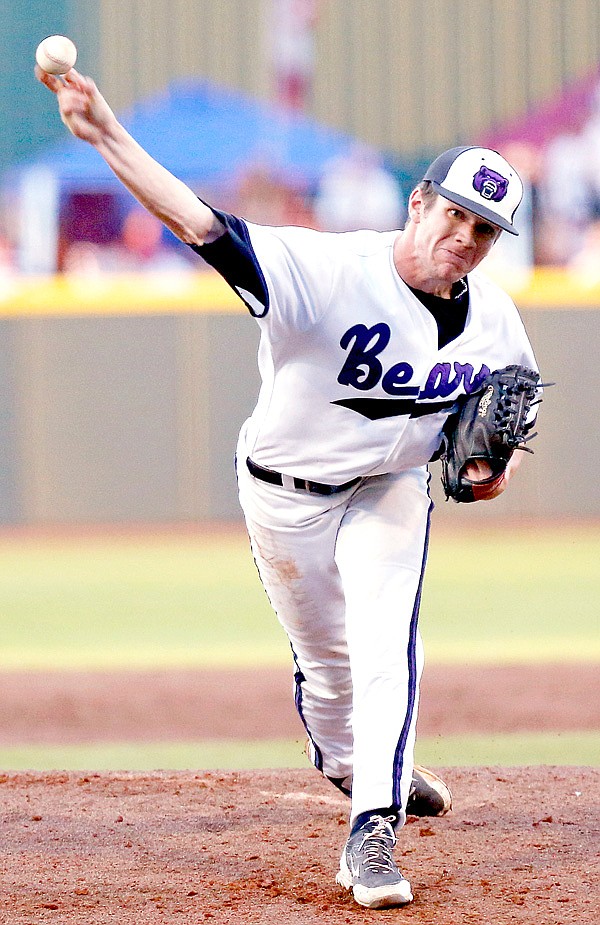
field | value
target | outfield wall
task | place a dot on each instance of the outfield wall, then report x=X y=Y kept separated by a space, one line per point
x=120 y=401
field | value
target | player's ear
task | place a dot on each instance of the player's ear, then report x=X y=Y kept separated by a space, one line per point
x=415 y=205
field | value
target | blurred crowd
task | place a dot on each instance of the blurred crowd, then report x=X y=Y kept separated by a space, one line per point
x=562 y=192
x=559 y=218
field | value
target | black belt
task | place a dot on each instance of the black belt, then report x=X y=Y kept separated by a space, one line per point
x=276 y=478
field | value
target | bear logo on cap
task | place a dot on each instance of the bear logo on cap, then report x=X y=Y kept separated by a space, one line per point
x=490 y=185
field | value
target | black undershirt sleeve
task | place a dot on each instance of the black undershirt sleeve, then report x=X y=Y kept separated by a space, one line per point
x=233 y=257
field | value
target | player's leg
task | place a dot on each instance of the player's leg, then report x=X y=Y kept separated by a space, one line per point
x=293 y=536
x=381 y=553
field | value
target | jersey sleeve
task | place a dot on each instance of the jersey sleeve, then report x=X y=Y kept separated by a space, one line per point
x=283 y=274
x=233 y=257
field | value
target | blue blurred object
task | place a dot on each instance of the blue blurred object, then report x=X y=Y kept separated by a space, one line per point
x=207 y=134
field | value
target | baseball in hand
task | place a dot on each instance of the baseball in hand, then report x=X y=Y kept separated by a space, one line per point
x=56 y=54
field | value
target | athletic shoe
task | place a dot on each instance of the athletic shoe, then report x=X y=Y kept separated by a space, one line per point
x=429 y=795
x=367 y=866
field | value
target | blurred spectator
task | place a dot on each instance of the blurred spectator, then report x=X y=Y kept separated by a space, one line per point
x=358 y=192
x=514 y=255
x=8 y=265
x=558 y=154
x=83 y=258
x=140 y=248
x=590 y=138
x=267 y=199
x=292 y=31
x=7 y=257
x=143 y=247
x=566 y=198
x=570 y=192
x=585 y=264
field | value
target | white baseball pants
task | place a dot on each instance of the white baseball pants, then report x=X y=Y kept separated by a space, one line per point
x=344 y=575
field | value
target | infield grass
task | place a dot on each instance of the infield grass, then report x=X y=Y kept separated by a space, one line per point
x=97 y=601
x=580 y=748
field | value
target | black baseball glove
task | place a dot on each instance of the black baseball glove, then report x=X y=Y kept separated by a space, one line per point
x=489 y=426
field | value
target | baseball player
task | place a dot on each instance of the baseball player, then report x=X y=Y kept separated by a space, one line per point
x=367 y=341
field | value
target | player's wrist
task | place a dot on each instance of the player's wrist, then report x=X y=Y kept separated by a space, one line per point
x=112 y=138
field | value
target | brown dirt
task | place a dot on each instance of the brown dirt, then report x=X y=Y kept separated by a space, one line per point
x=247 y=704
x=521 y=845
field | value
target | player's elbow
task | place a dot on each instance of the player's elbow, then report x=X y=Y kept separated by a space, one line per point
x=199 y=228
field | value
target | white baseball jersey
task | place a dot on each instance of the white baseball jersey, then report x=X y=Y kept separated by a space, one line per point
x=353 y=381
x=358 y=379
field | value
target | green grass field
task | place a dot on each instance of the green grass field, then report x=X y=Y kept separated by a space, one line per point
x=505 y=750
x=102 y=602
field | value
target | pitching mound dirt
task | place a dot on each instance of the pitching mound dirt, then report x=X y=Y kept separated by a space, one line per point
x=521 y=845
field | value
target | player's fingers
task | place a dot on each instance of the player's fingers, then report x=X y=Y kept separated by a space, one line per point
x=49 y=80
x=73 y=78
x=478 y=469
x=490 y=490
x=77 y=81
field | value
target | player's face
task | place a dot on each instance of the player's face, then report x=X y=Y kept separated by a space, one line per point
x=449 y=240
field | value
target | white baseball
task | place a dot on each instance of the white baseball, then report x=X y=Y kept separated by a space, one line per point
x=56 y=54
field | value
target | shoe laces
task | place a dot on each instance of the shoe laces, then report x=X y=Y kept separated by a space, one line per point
x=376 y=846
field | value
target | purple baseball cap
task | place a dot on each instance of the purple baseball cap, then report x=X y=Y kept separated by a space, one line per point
x=480 y=180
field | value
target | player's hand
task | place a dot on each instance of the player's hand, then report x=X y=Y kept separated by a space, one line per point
x=82 y=107
x=480 y=469
x=490 y=490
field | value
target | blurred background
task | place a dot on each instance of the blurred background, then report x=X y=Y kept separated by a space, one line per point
x=127 y=367
x=116 y=405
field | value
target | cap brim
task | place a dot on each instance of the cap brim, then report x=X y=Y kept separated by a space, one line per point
x=492 y=217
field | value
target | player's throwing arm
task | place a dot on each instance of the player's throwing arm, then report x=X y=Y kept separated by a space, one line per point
x=88 y=116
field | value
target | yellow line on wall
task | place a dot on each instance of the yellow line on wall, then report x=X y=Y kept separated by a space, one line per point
x=118 y=294
x=553 y=287
x=206 y=292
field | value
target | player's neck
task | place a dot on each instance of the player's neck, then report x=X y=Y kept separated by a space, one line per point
x=440 y=290
x=411 y=270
